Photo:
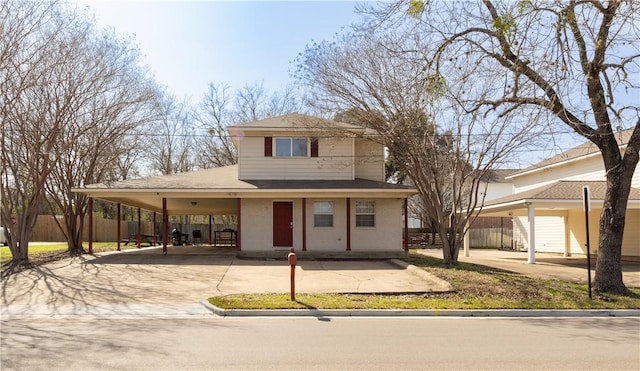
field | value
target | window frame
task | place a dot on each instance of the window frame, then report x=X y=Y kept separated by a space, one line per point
x=277 y=147
x=323 y=214
x=369 y=214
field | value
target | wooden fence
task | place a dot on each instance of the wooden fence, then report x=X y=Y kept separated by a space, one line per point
x=106 y=230
x=479 y=238
x=491 y=237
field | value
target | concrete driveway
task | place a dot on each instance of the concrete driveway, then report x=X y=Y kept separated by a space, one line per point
x=191 y=274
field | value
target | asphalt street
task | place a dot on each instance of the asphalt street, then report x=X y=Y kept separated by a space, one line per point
x=323 y=343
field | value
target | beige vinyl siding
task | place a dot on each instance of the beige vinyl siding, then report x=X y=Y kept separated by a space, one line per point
x=631 y=237
x=578 y=236
x=587 y=169
x=387 y=233
x=257 y=228
x=257 y=224
x=495 y=190
x=334 y=161
x=328 y=238
x=369 y=160
x=385 y=236
x=635 y=180
x=550 y=233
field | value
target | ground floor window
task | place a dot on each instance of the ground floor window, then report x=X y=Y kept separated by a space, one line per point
x=323 y=214
x=365 y=214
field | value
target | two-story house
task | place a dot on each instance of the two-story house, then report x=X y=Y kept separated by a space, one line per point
x=303 y=182
x=547 y=203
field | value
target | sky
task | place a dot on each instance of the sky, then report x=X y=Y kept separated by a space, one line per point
x=189 y=44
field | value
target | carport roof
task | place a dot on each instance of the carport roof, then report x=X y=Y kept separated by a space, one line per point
x=581 y=151
x=213 y=191
x=560 y=194
x=225 y=178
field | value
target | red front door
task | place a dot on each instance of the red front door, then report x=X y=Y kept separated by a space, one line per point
x=283 y=224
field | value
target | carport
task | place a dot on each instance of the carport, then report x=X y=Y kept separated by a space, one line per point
x=206 y=192
x=218 y=191
x=562 y=200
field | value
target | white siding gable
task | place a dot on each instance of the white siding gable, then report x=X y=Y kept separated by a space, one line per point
x=334 y=161
x=369 y=160
x=588 y=169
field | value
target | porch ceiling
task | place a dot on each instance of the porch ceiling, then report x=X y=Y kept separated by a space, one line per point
x=178 y=206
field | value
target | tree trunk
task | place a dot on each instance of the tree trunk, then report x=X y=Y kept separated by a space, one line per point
x=608 y=277
x=19 y=238
x=19 y=255
x=74 y=228
x=449 y=251
x=619 y=173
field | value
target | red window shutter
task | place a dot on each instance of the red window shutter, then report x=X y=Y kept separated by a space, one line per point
x=268 y=152
x=314 y=147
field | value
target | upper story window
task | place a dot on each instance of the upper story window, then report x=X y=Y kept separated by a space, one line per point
x=292 y=147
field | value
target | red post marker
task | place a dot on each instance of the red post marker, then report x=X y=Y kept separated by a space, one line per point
x=293 y=259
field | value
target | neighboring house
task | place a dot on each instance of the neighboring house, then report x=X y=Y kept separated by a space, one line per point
x=494 y=184
x=303 y=182
x=547 y=207
x=493 y=231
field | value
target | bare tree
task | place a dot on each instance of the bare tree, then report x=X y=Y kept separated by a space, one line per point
x=69 y=94
x=576 y=61
x=443 y=150
x=31 y=123
x=250 y=101
x=170 y=139
x=219 y=109
x=214 y=115
x=112 y=97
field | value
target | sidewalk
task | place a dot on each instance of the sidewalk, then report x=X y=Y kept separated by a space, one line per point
x=549 y=266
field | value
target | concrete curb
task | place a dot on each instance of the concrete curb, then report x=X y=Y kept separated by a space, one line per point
x=442 y=285
x=500 y=313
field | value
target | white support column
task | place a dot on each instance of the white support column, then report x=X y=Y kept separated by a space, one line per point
x=466 y=240
x=567 y=236
x=531 y=214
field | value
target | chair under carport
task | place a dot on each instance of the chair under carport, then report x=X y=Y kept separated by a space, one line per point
x=197 y=236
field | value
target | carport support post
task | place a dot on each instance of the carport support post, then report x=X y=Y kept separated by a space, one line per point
x=304 y=224
x=118 y=226
x=165 y=225
x=466 y=242
x=531 y=214
x=139 y=231
x=348 y=223
x=154 y=229
x=90 y=211
x=239 y=226
x=210 y=230
x=405 y=240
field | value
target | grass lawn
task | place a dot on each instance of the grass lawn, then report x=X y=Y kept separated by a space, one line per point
x=475 y=287
x=38 y=251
